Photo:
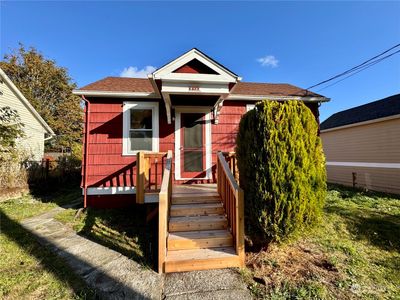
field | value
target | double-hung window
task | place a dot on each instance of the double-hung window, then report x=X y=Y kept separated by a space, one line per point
x=140 y=127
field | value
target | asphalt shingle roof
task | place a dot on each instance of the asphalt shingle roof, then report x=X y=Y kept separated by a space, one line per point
x=374 y=110
x=122 y=84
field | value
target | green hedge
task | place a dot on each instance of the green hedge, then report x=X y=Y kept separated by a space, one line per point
x=282 y=169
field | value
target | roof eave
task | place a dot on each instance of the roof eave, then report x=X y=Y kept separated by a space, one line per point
x=276 y=97
x=27 y=103
x=115 y=94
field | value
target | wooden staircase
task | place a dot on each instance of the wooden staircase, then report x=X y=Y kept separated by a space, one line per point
x=199 y=236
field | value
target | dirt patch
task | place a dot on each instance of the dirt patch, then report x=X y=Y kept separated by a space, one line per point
x=295 y=265
x=10 y=193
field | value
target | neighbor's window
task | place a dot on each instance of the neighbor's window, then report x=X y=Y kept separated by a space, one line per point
x=140 y=127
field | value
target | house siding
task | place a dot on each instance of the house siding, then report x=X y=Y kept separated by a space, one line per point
x=33 y=141
x=377 y=142
x=107 y=167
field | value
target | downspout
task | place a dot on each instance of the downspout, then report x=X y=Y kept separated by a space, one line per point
x=86 y=149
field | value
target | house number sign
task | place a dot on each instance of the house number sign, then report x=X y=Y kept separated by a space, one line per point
x=194 y=88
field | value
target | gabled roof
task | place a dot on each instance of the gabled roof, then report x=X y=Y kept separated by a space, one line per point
x=143 y=85
x=120 y=84
x=386 y=107
x=270 y=89
x=22 y=98
x=195 y=54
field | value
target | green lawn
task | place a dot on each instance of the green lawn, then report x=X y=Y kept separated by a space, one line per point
x=29 y=270
x=354 y=252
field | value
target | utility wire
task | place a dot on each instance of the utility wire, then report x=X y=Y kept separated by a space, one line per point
x=360 y=69
x=361 y=66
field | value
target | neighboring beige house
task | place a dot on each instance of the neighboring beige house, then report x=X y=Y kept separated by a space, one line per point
x=36 y=129
x=362 y=145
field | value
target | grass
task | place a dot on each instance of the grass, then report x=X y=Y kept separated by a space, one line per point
x=123 y=230
x=29 y=270
x=353 y=253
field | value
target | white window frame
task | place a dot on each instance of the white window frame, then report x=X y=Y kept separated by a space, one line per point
x=250 y=107
x=126 y=116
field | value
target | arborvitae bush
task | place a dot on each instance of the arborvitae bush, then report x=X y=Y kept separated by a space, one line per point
x=282 y=169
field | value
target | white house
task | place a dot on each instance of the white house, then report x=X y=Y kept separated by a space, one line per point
x=36 y=129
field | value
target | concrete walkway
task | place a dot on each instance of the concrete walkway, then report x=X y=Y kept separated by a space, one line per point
x=114 y=276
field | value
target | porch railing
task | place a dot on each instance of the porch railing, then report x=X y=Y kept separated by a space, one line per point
x=163 y=211
x=149 y=168
x=230 y=158
x=233 y=200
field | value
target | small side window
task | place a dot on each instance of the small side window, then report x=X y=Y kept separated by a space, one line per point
x=140 y=127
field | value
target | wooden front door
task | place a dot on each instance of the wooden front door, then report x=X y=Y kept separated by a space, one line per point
x=192 y=150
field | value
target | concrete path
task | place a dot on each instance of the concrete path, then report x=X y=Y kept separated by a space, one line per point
x=114 y=276
x=109 y=273
x=223 y=284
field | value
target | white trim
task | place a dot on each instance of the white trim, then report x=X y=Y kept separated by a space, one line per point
x=18 y=93
x=114 y=190
x=250 y=107
x=201 y=88
x=127 y=105
x=116 y=94
x=362 y=123
x=267 y=97
x=207 y=118
x=364 y=164
x=187 y=57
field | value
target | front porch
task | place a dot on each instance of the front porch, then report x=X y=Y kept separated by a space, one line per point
x=201 y=226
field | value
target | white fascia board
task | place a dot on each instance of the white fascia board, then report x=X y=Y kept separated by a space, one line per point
x=115 y=94
x=259 y=98
x=18 y=93
x=187 y=57
x=115 y=190
x=185 y=88
x=194 y=77
x=362 y=123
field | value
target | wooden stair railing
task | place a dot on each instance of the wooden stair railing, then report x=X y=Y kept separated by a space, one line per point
x=149 y=166
x=233 y=200
x=163 y=211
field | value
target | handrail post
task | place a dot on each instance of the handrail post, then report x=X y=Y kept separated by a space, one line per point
x=163 y=208
x=140 y=177
x=240 y=226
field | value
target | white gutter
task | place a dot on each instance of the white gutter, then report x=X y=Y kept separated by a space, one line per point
x=268 y=97
x=115 y=94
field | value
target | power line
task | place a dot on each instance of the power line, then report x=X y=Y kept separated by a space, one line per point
x=361 y=69
x=361 y=66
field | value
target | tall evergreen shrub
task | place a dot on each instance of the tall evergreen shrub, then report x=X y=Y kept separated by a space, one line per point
x=282 y=168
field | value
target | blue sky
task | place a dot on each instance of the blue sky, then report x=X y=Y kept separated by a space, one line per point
x=302 y=43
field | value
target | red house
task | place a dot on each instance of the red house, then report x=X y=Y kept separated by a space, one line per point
x=191 y=107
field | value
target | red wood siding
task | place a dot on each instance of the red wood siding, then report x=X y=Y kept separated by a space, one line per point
x=108 y=167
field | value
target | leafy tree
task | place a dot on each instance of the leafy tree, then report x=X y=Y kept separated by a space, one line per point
x=282 y=169
x=48 y=88
x=10 y=128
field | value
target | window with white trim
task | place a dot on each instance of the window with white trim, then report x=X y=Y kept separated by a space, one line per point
x=140 y=127
x=250 y=107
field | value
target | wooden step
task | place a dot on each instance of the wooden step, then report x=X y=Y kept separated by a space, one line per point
x=203 y=209
x=197 y=223
x=201 y=259
x=195 y=198
x=199 y=239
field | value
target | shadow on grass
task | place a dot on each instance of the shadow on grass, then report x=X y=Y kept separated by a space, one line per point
x=381 y=230
x=28 y=243
x=60 y=193
x=125 y=231
x=51 y=262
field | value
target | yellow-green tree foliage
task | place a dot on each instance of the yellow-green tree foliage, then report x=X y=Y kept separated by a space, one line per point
x=282 y=168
